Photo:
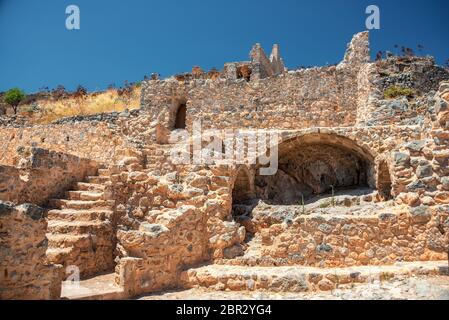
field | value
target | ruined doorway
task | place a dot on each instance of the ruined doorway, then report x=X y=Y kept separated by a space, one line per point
x=243 y=200
x=384 y=181
x=242 y=191
x=180 y=119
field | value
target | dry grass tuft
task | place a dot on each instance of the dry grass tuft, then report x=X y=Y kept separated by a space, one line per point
x=47 y=110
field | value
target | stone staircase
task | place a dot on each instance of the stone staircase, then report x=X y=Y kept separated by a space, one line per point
x=157 y=158
x=86 y=215
x=80 y=227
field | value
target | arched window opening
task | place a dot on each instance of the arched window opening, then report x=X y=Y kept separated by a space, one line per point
x=180 y=119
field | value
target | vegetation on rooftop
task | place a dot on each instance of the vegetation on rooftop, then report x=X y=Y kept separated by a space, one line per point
x=393 y=92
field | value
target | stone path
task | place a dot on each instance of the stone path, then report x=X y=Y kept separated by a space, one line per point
x=100 y=287
x=300 y=278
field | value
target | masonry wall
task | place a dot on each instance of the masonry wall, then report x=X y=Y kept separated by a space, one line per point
x=410 y=231
x=314 y=97
x=420 y=75
x=41 y=175
x=24 y=273
x=170 y=222
x=326 y=97
x=330 y=241
x=421 y=167
x=90 y=140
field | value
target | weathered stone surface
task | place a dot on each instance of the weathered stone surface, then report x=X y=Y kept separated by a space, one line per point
x=153 y=219
x=24 y=272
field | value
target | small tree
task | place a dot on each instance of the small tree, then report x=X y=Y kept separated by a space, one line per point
x=13 y=97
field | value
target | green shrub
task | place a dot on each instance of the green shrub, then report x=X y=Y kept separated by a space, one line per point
x=13 y=97
x=326 y=204
x=397 y=91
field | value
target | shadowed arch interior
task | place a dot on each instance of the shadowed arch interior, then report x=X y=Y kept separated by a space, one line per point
x=312 y=165
x=181 y=114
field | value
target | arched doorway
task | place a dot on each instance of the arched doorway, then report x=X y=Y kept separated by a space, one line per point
x=180 y=118
x=242 y=192
x=243 y=200
x=314 y=165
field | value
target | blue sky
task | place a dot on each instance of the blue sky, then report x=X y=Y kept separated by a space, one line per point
x=124 y=40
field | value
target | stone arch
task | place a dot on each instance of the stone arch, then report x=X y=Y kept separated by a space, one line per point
x=180 y=118
x=177 y=117
x=311 y=164
x=173 y=118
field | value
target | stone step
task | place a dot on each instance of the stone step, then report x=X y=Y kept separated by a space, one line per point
x=58 y=255
x=84 y=186
x=97 y=179
x=76 y=241
x=80 y=215
x=84 y=195
x=102 y=166
x=67 y=241
x=134 y=167
x=79 y=227
x=80 y=204
x=300 y=279
x=104 y=172
x=101 y=287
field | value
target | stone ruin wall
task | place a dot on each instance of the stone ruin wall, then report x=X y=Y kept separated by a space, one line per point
x=170 y=218
x=88 y=140
x=24 y=273
x=170 y=222
x=336 y=241
x=272 y=103
x=41 y=175
x=316 y=97
x=418 y=166
x=420 y=74
x=153 y=231
x=347 y=94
